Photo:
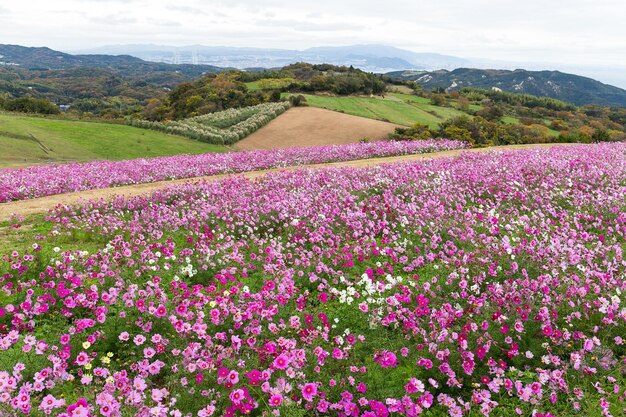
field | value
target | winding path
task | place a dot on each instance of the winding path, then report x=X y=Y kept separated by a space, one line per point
x=43 y=204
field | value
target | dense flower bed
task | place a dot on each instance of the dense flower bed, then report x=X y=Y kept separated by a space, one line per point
x=485 y=285
x=39 y=181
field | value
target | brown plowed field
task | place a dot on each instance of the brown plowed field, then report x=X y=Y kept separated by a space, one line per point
x=310 y=126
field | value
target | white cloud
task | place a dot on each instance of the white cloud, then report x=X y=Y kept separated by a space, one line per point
x=573 y=31
x=113 y=20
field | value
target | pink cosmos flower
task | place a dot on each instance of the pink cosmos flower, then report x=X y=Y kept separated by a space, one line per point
x=237 y=396
x=281 y=362
x=139 y=384
x=82 y=358
x=309 y=390
x=386 y=359
x=206 y=411
x=49 y=402
x=276 y=400
x=468 y=366
x=139 y=339
x=160 y=311
x=222 y=372
x=233 y=377
x=79 y=409
x=159 y=394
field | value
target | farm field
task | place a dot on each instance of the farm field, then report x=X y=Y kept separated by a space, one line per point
x=65 y=140
x=485 y=284
x=310 y=126
x=223 y=127
x=40 y=205
x=402 y=109
x=45 y=180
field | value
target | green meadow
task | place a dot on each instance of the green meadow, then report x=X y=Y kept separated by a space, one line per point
x=26 y=140
x=402 y=109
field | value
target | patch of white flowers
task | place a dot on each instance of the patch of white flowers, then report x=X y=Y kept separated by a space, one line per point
x=188 y=269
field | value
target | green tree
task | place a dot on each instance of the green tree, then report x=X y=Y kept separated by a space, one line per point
x=459 y=133
x=601 y=135
x=438 y=100
x=31 y=105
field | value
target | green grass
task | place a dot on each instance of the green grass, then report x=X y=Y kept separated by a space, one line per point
x=68 y=140
x=510 y=120
x=411 y=98
x=19 y=234
x=515 y=121
x=269 y=84
x=402 y=109
x=400 y=89
x=399 y=108
x=552 y=132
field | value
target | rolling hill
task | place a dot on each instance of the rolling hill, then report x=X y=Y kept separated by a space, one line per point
x=48 y=73
x=89 y=82
x=48 y=59
x=555 y=84
x=28 y=140
x=401 y=109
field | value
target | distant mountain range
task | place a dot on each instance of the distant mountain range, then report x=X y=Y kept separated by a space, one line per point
x=373 y=58
x=48 y=59
x=566 y=87
x=65 y=79
x=164 y=67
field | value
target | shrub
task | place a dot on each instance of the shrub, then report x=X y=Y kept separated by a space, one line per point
x=298 y=100
x=30 y=105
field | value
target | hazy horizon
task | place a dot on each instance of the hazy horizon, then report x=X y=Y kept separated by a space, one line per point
x=558 y=34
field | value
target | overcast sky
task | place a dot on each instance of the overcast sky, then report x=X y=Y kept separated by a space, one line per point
x=579 y=32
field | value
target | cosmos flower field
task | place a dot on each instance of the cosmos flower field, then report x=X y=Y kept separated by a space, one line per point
x=489 y=284
x=45 y=180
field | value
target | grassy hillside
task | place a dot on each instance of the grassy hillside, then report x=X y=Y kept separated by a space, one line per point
x=27 y=140
x=269 y=84
x=397 y=108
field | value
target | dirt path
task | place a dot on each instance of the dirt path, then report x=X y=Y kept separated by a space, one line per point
x=43 y=204
x=310 y=126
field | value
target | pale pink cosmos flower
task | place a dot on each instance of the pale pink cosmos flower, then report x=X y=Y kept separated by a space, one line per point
x=139 y=339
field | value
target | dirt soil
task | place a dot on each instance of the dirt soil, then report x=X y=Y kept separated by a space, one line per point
x=43 y=204
x=310 y=126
